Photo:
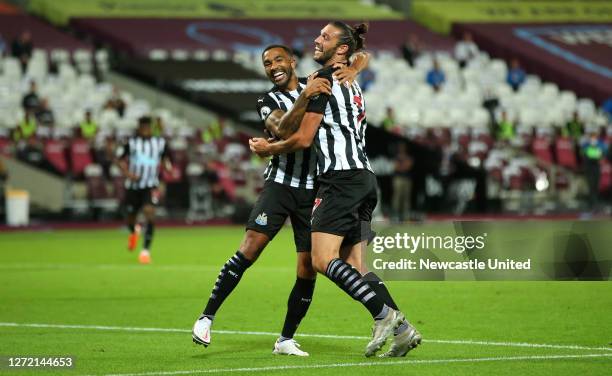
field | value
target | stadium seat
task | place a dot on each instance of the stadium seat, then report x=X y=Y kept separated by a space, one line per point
x=174 y=175
x=586 y=109
x=11 y=69
x=220 y=55
x=201 y=55
x=178 y=152
x=479 y=118
x=540 y=147
x=605 y=181
x=55 y=152
x=96 y=184
x=6 y=148
x=565 y=154
x=118 y=182
x=179 y=54
x=158 y=54
x=80 y=156
x=60 y=56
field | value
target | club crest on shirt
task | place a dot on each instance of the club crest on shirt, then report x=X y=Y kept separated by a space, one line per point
x=262 y=219
x=264 y=112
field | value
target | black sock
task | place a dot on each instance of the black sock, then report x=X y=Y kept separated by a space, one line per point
x=297 y=305
x=148 y=235
x=132 y=228
x=228 y=279
x=349 y=280
x=380 y=289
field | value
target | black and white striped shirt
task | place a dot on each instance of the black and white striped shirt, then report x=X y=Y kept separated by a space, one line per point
x=144 y=158
x=340 y=140
x=293 y=169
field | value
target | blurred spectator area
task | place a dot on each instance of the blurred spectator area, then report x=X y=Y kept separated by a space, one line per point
x=474 y=138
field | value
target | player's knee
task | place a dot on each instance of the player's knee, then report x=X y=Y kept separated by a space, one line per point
x=363 y=269
x=149 y=212
x=252 y=245
x=305 y=268
x=320 y=262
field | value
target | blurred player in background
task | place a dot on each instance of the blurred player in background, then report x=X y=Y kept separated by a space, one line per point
x=288 y=192
x=347 y=193
x=140 y=160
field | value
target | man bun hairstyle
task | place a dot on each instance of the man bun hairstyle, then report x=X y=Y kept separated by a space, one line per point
x=353 y=37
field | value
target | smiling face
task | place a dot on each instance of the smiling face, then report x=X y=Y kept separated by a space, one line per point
x=326 y=44
x=279 y=66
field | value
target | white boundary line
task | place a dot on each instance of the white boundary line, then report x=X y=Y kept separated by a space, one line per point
x=330 y=336
x=362 y=364
x=178 y=267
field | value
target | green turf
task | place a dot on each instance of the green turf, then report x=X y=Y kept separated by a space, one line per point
x=87 y=278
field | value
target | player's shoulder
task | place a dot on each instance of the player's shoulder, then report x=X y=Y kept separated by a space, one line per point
x=266 y=95
x=326 y=71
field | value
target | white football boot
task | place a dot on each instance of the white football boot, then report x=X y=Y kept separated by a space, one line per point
x=403 y=342
x=201 y=331
x=382 y=330
x=288 y=347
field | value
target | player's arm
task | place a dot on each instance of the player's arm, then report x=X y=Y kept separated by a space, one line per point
x=290 y=121
x=165 y=159
x=301 y=139
x=272 y=122
x=270 y=113
x=122 y=163
x=359 y=62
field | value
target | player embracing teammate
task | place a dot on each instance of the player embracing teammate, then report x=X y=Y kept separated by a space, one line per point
x=346 y=196
x=288 y=192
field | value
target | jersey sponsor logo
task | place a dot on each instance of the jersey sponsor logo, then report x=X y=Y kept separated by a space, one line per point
x=262 y=219
x=264 y=112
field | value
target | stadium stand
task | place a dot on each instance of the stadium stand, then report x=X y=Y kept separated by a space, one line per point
x=463 y=114
x=63 y=75
x=474 y=137
x=62 y=12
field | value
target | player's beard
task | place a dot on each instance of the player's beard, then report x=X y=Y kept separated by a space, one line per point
x=289 y=74
x=283 y=85
x=325 y=56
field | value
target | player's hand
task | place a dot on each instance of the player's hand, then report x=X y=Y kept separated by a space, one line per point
x=133 y=177
x=259 y=146
x=167 y=165
x=270 y=136
x=345 y=74
x=316 y=86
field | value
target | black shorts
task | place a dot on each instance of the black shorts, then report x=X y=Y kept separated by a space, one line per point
x=344 y=204
x=135 y=199
x=277 y=202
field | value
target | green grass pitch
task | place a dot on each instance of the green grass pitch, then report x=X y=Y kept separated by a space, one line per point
x=93 y=299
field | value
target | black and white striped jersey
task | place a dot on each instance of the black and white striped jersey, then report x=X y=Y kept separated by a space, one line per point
x=144 y=158
x=293 y=169
x=340 y=140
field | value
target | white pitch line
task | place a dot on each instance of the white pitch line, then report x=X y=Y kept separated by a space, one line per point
x=361 y=364
x=179 y=267
x=311 y=335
